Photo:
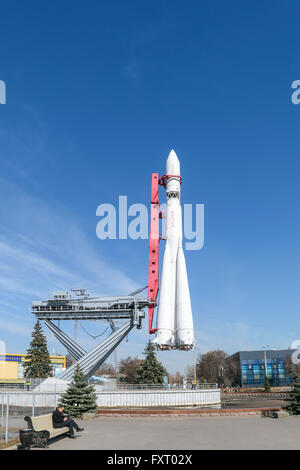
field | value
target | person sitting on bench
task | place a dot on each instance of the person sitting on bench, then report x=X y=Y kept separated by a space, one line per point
x=61 y=421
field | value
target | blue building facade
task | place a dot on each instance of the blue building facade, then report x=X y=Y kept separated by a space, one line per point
x=252 y=367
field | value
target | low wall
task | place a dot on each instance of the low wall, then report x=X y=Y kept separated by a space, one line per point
x=148 y=398
x=132 y=398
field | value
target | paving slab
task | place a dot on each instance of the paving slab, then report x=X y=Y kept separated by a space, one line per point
x=152 y=433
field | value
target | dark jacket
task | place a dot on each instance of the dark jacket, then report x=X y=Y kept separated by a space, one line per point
x=57 y=418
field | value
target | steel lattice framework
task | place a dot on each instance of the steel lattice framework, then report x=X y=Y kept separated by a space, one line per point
x=128 y=308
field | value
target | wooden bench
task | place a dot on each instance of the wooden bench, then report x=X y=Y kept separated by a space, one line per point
x=43 y=430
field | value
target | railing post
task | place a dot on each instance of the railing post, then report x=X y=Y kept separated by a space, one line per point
x=7 y=414
x=2 y=410
x=33 y=403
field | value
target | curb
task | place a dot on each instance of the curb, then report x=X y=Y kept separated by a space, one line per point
x=187 y=413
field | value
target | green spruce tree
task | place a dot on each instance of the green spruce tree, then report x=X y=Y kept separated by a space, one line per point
x=267 y=384
x=293 y=400
x=38 y=363
x=79 y=397
x=151 y=370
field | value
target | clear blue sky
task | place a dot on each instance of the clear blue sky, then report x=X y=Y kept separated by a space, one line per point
x=97 y=95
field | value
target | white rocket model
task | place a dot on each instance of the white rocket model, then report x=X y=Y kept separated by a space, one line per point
x=174 y=317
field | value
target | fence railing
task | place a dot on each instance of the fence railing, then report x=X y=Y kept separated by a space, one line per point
x=33 y=384
x=15 y=405
x=125 y=386
x=36 y=385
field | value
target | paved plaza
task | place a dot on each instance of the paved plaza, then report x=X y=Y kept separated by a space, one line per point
x=222 y=432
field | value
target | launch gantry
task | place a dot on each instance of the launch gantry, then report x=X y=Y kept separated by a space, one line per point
x=64 y=307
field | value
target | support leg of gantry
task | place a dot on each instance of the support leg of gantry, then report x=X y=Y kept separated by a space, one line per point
x=93 y=359
x=76 y=351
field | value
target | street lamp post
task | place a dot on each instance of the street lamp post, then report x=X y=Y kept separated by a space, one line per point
x=195 y=366
x=265 y=358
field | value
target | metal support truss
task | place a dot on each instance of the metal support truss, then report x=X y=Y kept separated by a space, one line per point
x=76 y=351
x=63 y=307
x=93 y=359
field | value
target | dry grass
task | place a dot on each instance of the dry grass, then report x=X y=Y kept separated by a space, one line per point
x=11 y=443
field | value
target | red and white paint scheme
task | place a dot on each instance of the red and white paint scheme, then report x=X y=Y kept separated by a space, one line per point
x=174 y=317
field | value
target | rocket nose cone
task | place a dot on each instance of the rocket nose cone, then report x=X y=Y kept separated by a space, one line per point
x=172 y=155
x=173 y=165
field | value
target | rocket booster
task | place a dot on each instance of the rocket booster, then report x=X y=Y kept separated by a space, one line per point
x=174 y=316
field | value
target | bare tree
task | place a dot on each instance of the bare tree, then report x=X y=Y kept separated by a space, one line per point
x=128 y=369
x=211 y=367
x=216 y=367
x=233 y=370
x=175 y=378
x=69 y=360
x=106 y=369
x=189 y=372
